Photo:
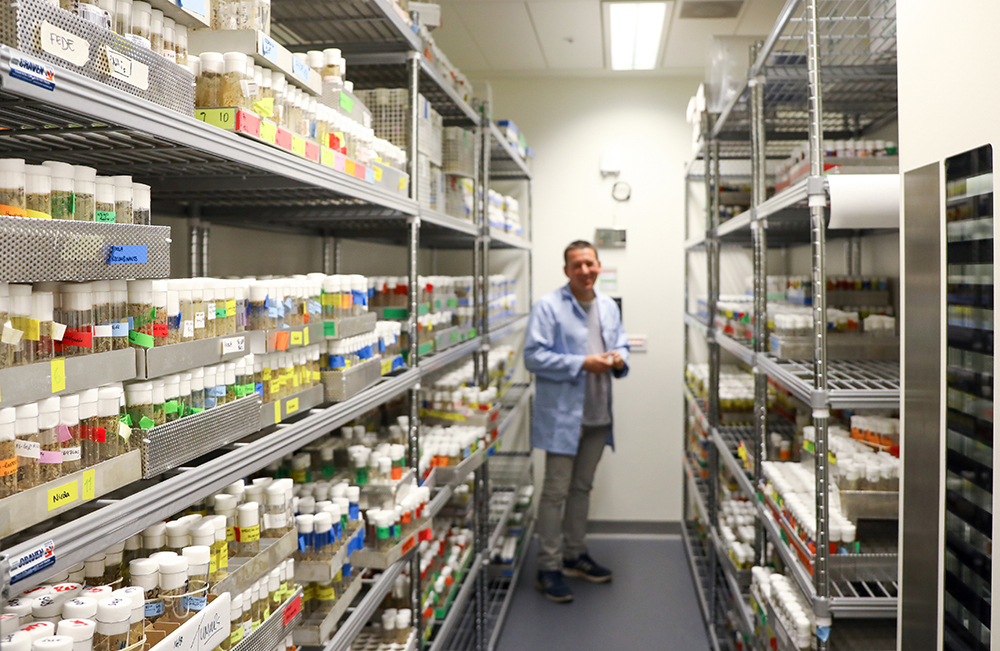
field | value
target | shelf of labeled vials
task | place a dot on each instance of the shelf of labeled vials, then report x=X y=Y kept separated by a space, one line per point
x=449 y=454
x=296 y=403
x=736 y=537
x=62 y=451
x=504 y=214
x=790 y=622
x=326 y=607
x=348 y=378
x=735 y=392
x=392 y=532
x=842 y=156
x=322 y=551
x=841 y=291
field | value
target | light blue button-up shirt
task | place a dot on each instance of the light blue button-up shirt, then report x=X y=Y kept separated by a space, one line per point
x=555 y=346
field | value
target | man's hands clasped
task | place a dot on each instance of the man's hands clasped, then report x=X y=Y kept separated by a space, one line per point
x=603 y=363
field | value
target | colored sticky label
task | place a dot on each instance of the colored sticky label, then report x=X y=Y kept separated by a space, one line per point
x=277 y=412
x=292 y=406
x=346 y=102
x=268 y=131
x=305 y=337
x=57 y=368
x=402 y=183
x=223 y=118
x=104 y=216
x=140 y=339
x=369 y=174
x=63 y=433
x=295 y=338
x=160 y=329
x=301 y=69
x=37 y=214
x=326 y=157
x=194 y=6
x=329 y=328
x=31 y=329
x=298 y=145
x=268 y=48
x=146 y=422
x=128 y=254
x=60 y=496
x=293 y=608
x=349 y=166
x=89 y=485
x=281 y=340
x=378 y=174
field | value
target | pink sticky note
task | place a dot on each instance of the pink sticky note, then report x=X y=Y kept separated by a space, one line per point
x=48 y=456
x=64 y=434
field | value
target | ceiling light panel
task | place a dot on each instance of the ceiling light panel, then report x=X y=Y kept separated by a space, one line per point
x=634 y=33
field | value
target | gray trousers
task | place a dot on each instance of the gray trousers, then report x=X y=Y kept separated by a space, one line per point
x=562 y=511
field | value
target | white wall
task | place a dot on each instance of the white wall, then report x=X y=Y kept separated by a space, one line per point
x=568 y=122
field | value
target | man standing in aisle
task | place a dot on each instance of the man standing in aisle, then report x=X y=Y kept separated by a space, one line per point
x=574 y=344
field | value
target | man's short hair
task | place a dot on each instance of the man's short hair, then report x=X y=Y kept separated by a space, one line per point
x=576 y=246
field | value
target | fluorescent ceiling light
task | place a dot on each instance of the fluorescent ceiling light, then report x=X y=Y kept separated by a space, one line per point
x=636 y=33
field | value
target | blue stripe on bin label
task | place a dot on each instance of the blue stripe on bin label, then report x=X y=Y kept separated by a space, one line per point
x=127 y=254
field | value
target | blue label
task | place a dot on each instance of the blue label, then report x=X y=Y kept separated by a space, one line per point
x=154 y=608
x=353 y=510
x=127 y=254
x=345 y=570
x=314 y=307
x=337 y=362
x=194 y=6
x=370 y=174
x=259 y=388
x=381 y=346
x=209 y=402
x=194 y=603
x=272 y=312
x=300 y=69
x=120 y=329
x=174 y=322
x=33 y=72
x=269 y=48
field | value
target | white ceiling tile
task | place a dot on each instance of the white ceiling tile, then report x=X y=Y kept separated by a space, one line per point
x=504 y=33
x=688 y=40
x=455 y=41
x=758 y=17
x=570 y=33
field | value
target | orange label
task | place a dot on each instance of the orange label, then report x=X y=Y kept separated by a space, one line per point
x=11 y=211
x=8 y=466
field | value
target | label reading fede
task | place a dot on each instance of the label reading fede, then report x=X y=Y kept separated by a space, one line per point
x=65 y=45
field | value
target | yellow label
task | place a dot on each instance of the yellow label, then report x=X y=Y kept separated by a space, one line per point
x=236 y=634
x=264 y=107
x=248 y=534
x=277 y=411
x=330 y=300
x=402 y=183
x=267 y=609
x=268 y=131
x=224 y=118
x=298 y=146
x=62 y=495
x=57 y=368
x=30 y=330
x=213 y=563
x=89 y=482
x=386 y=366
x=275 y=385
x=266 y=373
x=325 y=593
x=378 y=173
x=349 y=166
x=315 y=376
x=298 y=476
x=326 y=156
x=224 y=554
x=309 y=592
x=305 y=337
x=296 y=338
x=230 y=534
x=38 y=214
x=292 y=405
x=231 y=307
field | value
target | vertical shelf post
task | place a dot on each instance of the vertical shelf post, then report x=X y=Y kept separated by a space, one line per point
x=712 y=259
x=758 y=193
x=820 y=406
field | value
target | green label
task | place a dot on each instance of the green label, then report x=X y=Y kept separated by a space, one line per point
x=171 y=407
x=220 y=312
x=146 y=422
x=248 y=389
x=329 y=328
x=107 y=216
x=127 y=419
x=140 y=339
x=346 y=102
x=382 y=533
x=395 y=313
x=423 y=309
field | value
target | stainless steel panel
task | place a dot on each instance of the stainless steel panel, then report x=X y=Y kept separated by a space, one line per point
x=922 y=340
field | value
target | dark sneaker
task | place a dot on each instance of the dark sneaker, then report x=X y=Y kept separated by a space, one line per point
x=553 y=587
x=585 y=568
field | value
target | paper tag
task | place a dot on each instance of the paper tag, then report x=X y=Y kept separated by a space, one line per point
x=292 y=406
x=62 y=495
x=60 y=43
x=210 y=311
x=301 y=69
x=57 y=369
x=187 y=329
x=58 y=330
x=199 y=320
x=89 y=483
x=128 y=70
x=63 y=433
x=27 y=449
x=119 y=329
x=11 y=335
x=124 y=431
x=233 y=345
x=104 y=330
x=268 y=48
x=72 y=454
x=296 y=338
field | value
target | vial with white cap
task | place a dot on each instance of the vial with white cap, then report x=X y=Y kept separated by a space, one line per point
x=137 y=617
x=199 y=559
x=247 y=530
x=235 y=620
x=18 y=641
x=113 y=615
x=389 y=625
x=113 y=563
x=173 y=582
x=9 y=623
x=80 y=608
x=247 y=618
x=108 y=413
x=21 y=607
x=145 y=573
x=53 y=643
x=47 y=608
x=81 y=630
x=221 y=545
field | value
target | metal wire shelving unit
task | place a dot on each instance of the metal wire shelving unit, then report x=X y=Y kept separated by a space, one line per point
x=827 y=70
x=216 y=177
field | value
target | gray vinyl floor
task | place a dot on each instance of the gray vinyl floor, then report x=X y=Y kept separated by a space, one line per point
x=650 y=604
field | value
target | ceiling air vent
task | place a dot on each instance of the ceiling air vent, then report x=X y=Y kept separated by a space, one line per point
x=711 y=8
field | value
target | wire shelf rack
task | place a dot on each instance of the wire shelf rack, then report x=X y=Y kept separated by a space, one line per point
x=353 y=26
